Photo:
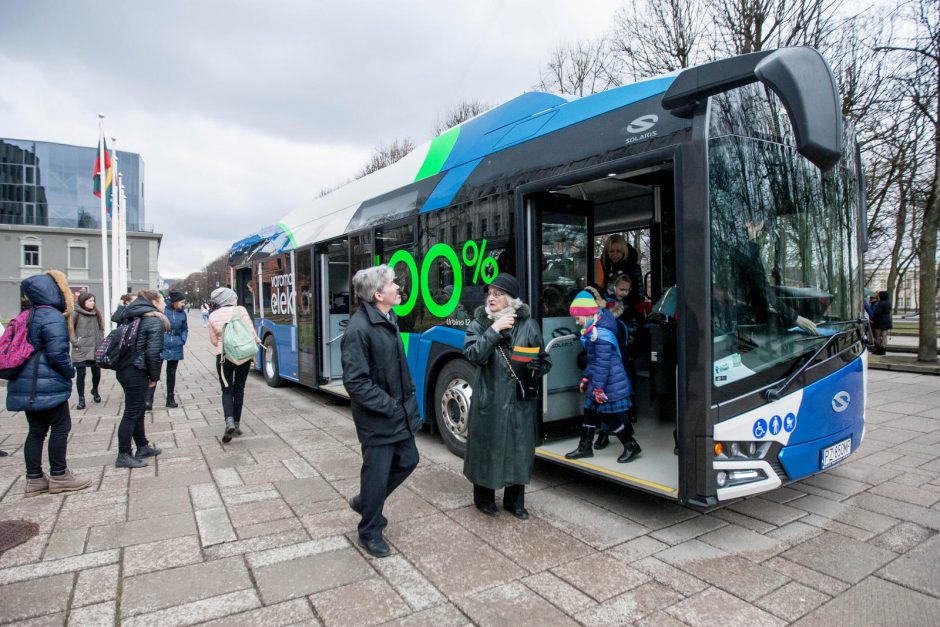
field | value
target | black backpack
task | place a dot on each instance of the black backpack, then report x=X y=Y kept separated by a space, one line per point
x=119 y=348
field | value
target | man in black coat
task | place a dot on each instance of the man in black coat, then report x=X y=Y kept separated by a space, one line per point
x=382 y=393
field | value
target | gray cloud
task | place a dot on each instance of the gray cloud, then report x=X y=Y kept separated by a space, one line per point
x=244 y=110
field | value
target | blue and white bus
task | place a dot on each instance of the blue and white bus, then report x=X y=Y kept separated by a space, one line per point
x=736 y=393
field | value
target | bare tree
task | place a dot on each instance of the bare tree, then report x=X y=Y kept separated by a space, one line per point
x=745 y=26
x=384 y=156
x=652 y=38
x=460 y=113
x=580 y=69
x=920 y=83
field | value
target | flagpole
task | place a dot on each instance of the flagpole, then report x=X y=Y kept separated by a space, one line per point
x=103 y=173
x=115 y=213
x=122 y=235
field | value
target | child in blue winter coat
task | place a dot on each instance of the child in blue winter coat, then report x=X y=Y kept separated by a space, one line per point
x=605 y=384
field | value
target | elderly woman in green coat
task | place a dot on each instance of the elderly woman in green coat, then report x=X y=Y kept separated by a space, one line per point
x=505 y=344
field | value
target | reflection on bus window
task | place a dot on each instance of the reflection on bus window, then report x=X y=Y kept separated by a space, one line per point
x=784 y=240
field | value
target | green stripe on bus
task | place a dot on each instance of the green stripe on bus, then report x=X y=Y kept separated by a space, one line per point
x=438 y=153
x=404 y=340
x=290 y=234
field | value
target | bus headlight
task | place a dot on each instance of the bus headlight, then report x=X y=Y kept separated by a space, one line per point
x=728 y=478
x=741 y=450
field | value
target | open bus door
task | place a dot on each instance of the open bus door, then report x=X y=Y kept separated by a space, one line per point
x=560 y=240
x=333 y=280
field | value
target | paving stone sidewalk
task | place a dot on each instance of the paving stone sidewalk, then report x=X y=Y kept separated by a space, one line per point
x=257 y=532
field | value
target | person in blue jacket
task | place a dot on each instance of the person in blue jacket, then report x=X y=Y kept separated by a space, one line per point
x=42 y=387
x=605 y=384
x=173 y=342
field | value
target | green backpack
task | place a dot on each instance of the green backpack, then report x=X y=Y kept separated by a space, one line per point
x=238 y=342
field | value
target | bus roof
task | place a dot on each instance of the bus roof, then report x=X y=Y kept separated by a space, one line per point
x=448 y=159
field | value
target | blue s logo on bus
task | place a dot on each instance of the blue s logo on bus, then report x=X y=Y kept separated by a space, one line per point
x=840 y=402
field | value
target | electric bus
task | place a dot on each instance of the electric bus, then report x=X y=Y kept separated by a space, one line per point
x=741 y=181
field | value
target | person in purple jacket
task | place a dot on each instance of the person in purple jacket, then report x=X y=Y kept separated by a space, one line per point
x=605 y=384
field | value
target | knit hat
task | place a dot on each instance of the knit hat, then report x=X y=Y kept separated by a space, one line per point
x=176 y=296
x=223 y=296
x=583 y=305
x=507 y=283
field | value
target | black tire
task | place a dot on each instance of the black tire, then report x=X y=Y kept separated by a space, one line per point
x=269 y=367
x=452 y=395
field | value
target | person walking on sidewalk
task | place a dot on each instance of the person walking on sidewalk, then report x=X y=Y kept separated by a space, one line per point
x=42 y=387
x=232 y=376
x=141 y=372
x=505 y=344
x=384 y=406
x=173 y=342
x=205 y=314
x=86 y=330
x=882 y=323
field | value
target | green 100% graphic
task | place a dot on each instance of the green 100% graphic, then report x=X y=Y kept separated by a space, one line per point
x=472 y=256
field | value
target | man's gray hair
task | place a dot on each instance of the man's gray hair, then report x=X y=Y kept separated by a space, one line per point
x=371 y=280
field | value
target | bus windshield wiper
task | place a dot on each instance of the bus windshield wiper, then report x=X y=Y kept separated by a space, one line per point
x=775 y=393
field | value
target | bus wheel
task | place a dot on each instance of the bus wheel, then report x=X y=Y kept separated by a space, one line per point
x=269 y=363
x=452 y=404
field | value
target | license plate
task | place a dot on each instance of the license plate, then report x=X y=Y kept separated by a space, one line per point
x=836 y=453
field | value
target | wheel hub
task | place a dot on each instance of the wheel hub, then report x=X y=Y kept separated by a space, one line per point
x=455 y=407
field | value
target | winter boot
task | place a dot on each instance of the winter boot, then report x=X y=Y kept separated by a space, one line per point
x=229 y=430
x=126 y=460
x=584 y=445
x=37 y=486
x=67 y=482
x=95 y=396
x=631 y=449
x=238 y=428
x=148 y=450
x=171 y=402
x=603 y=439
x=81 y=403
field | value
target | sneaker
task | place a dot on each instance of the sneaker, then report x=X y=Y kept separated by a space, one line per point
x=37 y=486
x=238 y=429
x=148 y=450
x=67 y=482
x=125 y=460
x=229 y=430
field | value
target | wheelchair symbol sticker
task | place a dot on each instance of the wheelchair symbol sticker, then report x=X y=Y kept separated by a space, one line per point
x=775 y=424
x=789 y=423
x=760 y=428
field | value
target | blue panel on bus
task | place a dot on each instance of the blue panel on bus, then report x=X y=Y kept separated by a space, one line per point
x=421 y=349
x=449 y=186
x=833 y=409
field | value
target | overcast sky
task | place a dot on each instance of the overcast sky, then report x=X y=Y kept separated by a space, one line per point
x=243 y=111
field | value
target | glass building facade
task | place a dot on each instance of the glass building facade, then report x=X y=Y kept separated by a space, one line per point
x=48 y=184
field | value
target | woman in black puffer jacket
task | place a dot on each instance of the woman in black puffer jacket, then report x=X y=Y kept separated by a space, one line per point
x=139 y=375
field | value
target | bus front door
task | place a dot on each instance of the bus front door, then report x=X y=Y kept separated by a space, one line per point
x=333 y=306
x=562 y=267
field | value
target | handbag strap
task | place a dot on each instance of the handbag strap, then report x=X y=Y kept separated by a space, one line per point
x=506 y=360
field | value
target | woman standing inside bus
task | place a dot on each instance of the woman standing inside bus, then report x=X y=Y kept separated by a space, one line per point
x=505 y=344
x=86 y=331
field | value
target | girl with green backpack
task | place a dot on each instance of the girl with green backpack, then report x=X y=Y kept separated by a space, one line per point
x=234 y=342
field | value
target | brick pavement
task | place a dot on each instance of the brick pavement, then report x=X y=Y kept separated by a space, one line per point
x=258 y=531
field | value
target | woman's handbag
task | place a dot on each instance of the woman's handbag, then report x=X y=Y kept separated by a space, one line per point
x=525 y=391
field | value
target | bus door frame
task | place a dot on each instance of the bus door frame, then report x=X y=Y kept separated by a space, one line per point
x=693 y=280
x=321 y=272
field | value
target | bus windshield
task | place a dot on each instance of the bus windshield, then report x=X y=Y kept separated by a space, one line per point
x=784 y=242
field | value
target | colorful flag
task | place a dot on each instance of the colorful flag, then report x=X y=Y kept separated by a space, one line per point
x=108 y=177
x=525 y=354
